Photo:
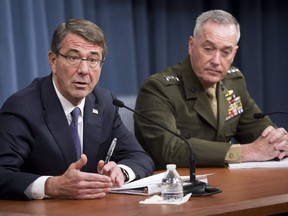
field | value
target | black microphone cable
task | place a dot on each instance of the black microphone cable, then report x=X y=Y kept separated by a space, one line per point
x=262 y=115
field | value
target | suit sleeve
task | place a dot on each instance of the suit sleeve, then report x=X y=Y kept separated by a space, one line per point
x=128 y=151
x=15 y=137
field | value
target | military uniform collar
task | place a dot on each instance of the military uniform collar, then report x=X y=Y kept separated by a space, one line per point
x=191 y=84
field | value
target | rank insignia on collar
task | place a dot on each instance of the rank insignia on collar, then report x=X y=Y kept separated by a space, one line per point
x=233 y=70
x=171 y=78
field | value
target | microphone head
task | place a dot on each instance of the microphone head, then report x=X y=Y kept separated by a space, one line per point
x=258 y=115
x=118 y=103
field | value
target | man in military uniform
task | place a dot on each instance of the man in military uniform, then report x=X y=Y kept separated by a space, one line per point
x=178 y=98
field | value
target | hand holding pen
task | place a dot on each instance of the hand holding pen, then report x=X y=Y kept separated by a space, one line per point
x=109 y=153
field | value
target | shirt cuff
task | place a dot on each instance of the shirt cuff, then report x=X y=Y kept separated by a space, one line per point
x=130 y=172
x=36 y=190
x=233 y=155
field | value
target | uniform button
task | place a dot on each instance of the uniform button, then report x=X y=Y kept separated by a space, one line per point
x=193 y=90
x=187 y=137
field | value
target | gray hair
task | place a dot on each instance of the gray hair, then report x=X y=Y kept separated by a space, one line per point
x=218 y=16
x=81 y=27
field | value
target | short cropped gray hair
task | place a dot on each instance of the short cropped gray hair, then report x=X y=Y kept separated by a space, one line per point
x=218 y=16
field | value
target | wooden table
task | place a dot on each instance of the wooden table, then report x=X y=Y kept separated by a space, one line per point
x=245 y=192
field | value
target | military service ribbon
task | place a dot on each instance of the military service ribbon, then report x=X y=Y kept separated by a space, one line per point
x=235 y=105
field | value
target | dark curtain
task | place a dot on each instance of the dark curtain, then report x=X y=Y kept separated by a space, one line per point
x=145 y=36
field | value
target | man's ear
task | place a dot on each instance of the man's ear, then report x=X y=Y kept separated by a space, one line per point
x=52 y=60
x=190 y=44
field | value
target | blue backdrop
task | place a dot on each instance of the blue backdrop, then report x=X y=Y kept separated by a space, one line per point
x=145 y=36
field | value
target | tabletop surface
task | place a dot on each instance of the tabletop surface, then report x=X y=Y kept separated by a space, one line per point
x=245 y=192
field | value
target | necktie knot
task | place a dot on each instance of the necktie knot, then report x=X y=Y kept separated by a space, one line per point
x=75 y=113
x=211 y=92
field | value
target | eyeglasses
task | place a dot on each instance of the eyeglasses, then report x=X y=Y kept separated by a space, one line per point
x=75 y=61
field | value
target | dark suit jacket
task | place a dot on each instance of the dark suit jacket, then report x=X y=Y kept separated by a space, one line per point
x=35 y=139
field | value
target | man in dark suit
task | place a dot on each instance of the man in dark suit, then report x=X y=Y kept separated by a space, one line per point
x=179 y=98
x=38 y=157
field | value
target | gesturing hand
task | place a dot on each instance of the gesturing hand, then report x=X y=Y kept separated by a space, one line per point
x=75 y=184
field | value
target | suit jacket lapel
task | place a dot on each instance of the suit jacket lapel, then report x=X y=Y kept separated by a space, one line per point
x=93 y=121
x=203 y=108
x=57 y=122
x=194 y=90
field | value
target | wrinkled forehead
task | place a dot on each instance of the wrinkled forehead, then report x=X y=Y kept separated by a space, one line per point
x=226 y=33
x=78 y=44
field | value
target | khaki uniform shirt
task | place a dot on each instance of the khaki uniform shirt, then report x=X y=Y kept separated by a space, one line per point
x=175 y=99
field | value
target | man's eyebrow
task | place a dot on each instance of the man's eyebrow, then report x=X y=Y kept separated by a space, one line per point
x=73 y=51
x=208 y=42
x=212 y=43
x=227 y=47
x=95 y=53
x=92 y=52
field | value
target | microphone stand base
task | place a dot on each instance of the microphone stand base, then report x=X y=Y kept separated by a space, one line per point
x=198 y=188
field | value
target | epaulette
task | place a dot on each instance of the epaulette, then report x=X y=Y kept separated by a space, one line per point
x=171 y=78
x=233 y=70
x=167 y=79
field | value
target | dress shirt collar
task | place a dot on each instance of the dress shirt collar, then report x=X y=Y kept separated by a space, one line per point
x=66 y=105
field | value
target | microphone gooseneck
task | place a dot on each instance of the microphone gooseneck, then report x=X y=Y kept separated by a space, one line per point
x=258 y=115
x=119 y=103
x=262 y=115
x=197 y=188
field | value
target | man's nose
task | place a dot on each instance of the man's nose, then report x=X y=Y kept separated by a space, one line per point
x=83 y=67
x=216 y=58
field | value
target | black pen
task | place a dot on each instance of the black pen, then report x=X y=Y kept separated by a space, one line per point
x=110 y=152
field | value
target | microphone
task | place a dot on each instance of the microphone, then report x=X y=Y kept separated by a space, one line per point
x=262 y=115
x=197 y=188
